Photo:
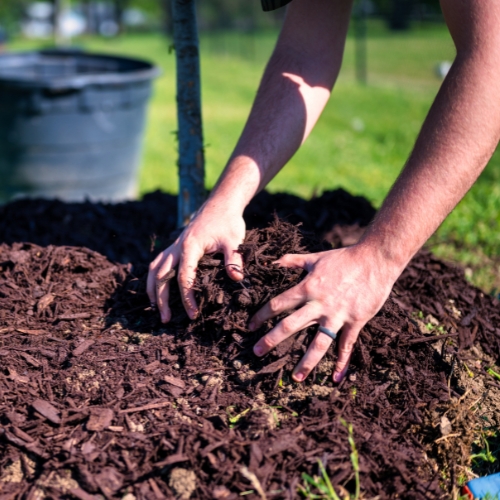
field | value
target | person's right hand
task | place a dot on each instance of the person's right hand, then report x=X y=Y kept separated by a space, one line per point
x=211 y=230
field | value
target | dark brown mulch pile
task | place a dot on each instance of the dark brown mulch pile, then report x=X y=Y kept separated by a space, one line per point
x=98 y=397
x=129 y=232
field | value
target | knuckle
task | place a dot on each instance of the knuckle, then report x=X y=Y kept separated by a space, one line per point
x=274 y=305
x=322 y=343
x=288 y=325
x=185 y=244
x=346 y=349
x=309 y=287
x=308 y=366
x=268 y=342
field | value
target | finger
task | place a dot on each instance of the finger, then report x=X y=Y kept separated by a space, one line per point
x=151 y=281
x=304 y=317
x=316 y=350
x=234 y=262
x=189 y=259
x=294 y=260
x=288 y=300
x=163 y=286
x=346 y=344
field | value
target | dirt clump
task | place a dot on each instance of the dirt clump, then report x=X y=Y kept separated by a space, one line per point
x=182 y=482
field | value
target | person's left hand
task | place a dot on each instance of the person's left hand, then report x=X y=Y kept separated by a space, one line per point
x=344 y=289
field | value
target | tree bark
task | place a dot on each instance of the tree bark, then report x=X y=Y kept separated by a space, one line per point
x=191 y=161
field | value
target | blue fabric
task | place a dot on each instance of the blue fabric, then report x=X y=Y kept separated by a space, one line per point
x=485 y=485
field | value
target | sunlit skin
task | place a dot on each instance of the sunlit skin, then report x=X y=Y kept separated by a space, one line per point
x=345 y=288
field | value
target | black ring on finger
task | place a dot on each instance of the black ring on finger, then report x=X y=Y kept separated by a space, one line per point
x=327 y=331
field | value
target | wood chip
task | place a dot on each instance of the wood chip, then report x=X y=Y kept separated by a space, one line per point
x=30 y=359
x=274 y=367
x=175 y=381
x=47 y=410
x=82 y=347
x=115 y=428
x=151 y=406
x=31 y=332
x=172 y=459
x=69 y=317
x=151 y=367
x=100 y=419
x=13 y=375
x=45 y=302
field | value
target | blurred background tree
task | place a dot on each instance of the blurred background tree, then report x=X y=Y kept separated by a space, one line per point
x=213 y=15
x=11 y=12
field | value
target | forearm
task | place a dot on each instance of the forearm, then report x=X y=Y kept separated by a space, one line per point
x=456 y=141
x=294 y=90
x=274 y=131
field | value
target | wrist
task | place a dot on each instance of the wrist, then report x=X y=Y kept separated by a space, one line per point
x=390 y=259
x=220 y=206
x=236 y=187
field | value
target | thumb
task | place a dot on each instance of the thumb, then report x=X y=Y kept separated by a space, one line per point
x=233 y=261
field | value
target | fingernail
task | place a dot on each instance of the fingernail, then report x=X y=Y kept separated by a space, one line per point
x=251 y=327
x=337 y=377
x=299 y=376
x=258 y=350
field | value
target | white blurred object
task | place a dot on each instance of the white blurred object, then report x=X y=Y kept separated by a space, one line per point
x=40 y=10
x=36 y=28
x=109 y=28
x=71 y=24
x=358 y=124
x=442 y=69
x=39 y=22
x=135 y=18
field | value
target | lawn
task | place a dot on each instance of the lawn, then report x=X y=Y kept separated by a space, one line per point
x=360 y=143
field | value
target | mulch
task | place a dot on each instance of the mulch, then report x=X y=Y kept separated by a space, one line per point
x=97 y=397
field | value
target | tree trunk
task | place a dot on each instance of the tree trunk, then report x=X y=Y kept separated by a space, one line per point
x=360 y=31
x=58 y=6
x=120 y=6
x=400 y=15
x=191 y=155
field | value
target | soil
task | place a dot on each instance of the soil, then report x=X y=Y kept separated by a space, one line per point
x=98 y=398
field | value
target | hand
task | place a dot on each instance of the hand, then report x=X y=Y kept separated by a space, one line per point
x=344 y=289
x=211 y=230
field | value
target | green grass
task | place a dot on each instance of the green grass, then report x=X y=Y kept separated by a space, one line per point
x=360 y=143
x=320 y=487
